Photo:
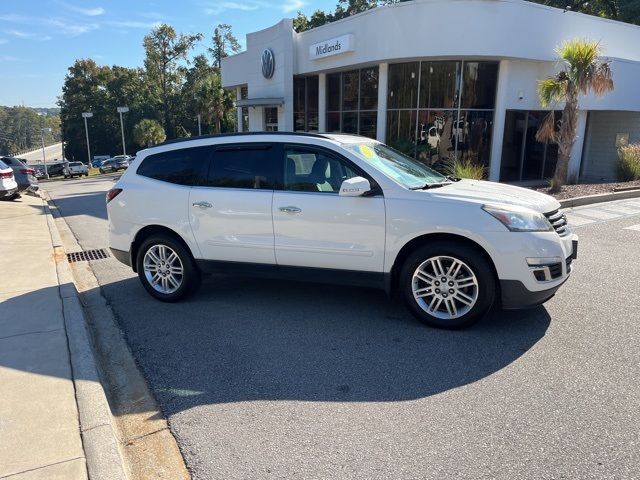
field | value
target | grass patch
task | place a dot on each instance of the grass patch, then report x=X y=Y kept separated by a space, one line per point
x=629 y=162
x=466 y=169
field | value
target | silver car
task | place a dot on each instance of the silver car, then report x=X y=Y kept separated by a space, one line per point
x=24 y=175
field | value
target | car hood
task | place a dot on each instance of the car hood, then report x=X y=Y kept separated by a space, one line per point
x=478 y=191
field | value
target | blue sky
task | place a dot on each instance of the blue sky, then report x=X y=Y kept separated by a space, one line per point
x=39 y=40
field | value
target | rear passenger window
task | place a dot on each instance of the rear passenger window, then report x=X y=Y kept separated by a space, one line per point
x=244 y=167
x=187 y=166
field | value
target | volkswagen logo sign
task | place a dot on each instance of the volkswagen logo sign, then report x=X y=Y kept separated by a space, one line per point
x=268 y=63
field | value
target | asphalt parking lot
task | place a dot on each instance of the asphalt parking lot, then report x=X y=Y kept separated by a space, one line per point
x=274 y=379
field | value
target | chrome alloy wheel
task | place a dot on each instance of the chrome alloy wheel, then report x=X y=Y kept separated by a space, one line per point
x=445 y=287
x=163 y=269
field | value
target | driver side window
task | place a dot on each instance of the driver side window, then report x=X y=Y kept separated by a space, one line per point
x=311 y=170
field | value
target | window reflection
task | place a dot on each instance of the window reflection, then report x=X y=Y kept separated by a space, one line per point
x=440 y=111
x=352 y=102
x=305 y=104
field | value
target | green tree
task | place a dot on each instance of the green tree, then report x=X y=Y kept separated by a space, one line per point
x=164 y=50
x=583 y=73
x=148 y=132
x=223 y=43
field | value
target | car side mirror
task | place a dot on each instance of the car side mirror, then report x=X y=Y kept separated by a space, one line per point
x=354 y=187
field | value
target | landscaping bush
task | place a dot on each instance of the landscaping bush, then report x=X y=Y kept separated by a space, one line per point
x=629 y=162
x=466 y=169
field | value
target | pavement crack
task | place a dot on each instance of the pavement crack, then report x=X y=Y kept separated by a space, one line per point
x=130 y=441
x=43 y=466
x=30 y=333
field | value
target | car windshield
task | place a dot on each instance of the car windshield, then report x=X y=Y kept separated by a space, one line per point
x=75 y=164
x=3 y=165
x=403 y=169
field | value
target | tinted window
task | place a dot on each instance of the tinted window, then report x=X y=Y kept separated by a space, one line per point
x=186 y=166
x=243 y=167
x=310 y=170
x=3 y=165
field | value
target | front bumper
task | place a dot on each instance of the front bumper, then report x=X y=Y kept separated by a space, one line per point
x=514 y=295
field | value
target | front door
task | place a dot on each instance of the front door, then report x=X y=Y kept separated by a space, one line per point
x=231 y=214
x=314 y=226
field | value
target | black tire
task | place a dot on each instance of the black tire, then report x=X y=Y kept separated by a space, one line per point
x=473 y=260
x=191 y=277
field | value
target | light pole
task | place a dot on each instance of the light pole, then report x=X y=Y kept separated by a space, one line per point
x=199 y=127
x=86 y=115
x=44 y=157
x=122 y=110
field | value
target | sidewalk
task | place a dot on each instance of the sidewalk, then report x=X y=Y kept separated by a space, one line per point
x=40 y=434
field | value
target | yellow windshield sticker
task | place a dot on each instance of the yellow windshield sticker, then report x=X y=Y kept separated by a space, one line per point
x=367 y=151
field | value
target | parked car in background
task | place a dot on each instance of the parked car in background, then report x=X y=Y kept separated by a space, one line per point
x=120 y=162
x=98 y=159
x=23 y=174
x=73 y=169
x=8 y=184
x=55 y=169
x=336 y=208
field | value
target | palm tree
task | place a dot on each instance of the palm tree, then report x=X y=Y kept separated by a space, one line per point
x=148 y=132
x=583 y=73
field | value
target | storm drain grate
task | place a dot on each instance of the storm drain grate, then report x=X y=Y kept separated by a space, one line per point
x=86 y=255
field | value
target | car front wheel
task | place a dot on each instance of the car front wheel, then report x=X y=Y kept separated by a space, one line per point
x=166 y=269
x=448 y=285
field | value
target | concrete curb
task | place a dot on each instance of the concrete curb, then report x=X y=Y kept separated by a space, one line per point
x=102 y=453
x=601 y=197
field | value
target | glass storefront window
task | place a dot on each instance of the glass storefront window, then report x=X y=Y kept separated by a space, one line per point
x=479 y=82
x=350 y=82
x=439 y=84
x=523 y=157
x=472 y=132
x=305 y=104
x=403 y=85
x=440 y=111
x=244 y=94
x=352 y=101
x=435 y=138
x=401 y=130
x=333 y=92
x=369 y=89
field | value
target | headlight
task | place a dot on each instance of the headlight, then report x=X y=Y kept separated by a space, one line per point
x=518 y=219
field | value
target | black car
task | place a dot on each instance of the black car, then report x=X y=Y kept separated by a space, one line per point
x=55 y=169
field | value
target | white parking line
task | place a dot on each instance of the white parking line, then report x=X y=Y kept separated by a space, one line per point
x=576 y=220
x=621 y=209
x=633 y=227
x=594 y=213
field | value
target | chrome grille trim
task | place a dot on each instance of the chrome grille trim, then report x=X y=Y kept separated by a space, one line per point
x=558 y=221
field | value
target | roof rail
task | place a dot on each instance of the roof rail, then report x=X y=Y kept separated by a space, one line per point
x=238 y=134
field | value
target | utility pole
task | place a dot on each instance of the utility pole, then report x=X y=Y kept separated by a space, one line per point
x=86 y=115
x=199 y=127
x=122 y=110
x=44 y=157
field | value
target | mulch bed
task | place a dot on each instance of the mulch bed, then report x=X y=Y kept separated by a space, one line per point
x=584 y=189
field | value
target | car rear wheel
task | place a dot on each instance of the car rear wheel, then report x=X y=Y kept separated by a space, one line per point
x=166 y=269
x=448 y=285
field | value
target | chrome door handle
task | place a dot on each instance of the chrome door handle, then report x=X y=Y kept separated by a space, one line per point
x=202 y=204
x=290 y=209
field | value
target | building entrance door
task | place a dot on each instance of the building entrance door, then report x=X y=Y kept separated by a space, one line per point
x=271 y=119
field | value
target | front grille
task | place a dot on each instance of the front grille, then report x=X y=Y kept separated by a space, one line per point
x=558 y=221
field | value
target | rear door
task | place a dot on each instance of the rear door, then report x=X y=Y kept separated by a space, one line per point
x=314 y=226
x=230 y=214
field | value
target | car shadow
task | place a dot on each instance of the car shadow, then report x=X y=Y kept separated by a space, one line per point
x=247 y=339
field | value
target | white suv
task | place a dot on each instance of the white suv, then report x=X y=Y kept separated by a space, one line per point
x=341 y=209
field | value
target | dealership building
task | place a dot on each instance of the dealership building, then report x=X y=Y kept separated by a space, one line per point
x=441 y=80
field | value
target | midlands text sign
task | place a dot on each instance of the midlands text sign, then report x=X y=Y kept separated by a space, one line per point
x=334 y=46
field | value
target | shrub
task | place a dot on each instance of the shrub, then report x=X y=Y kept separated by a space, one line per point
x=466 y=169
x=629 y=162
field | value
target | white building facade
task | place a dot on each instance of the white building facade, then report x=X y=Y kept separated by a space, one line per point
x=441 y=80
